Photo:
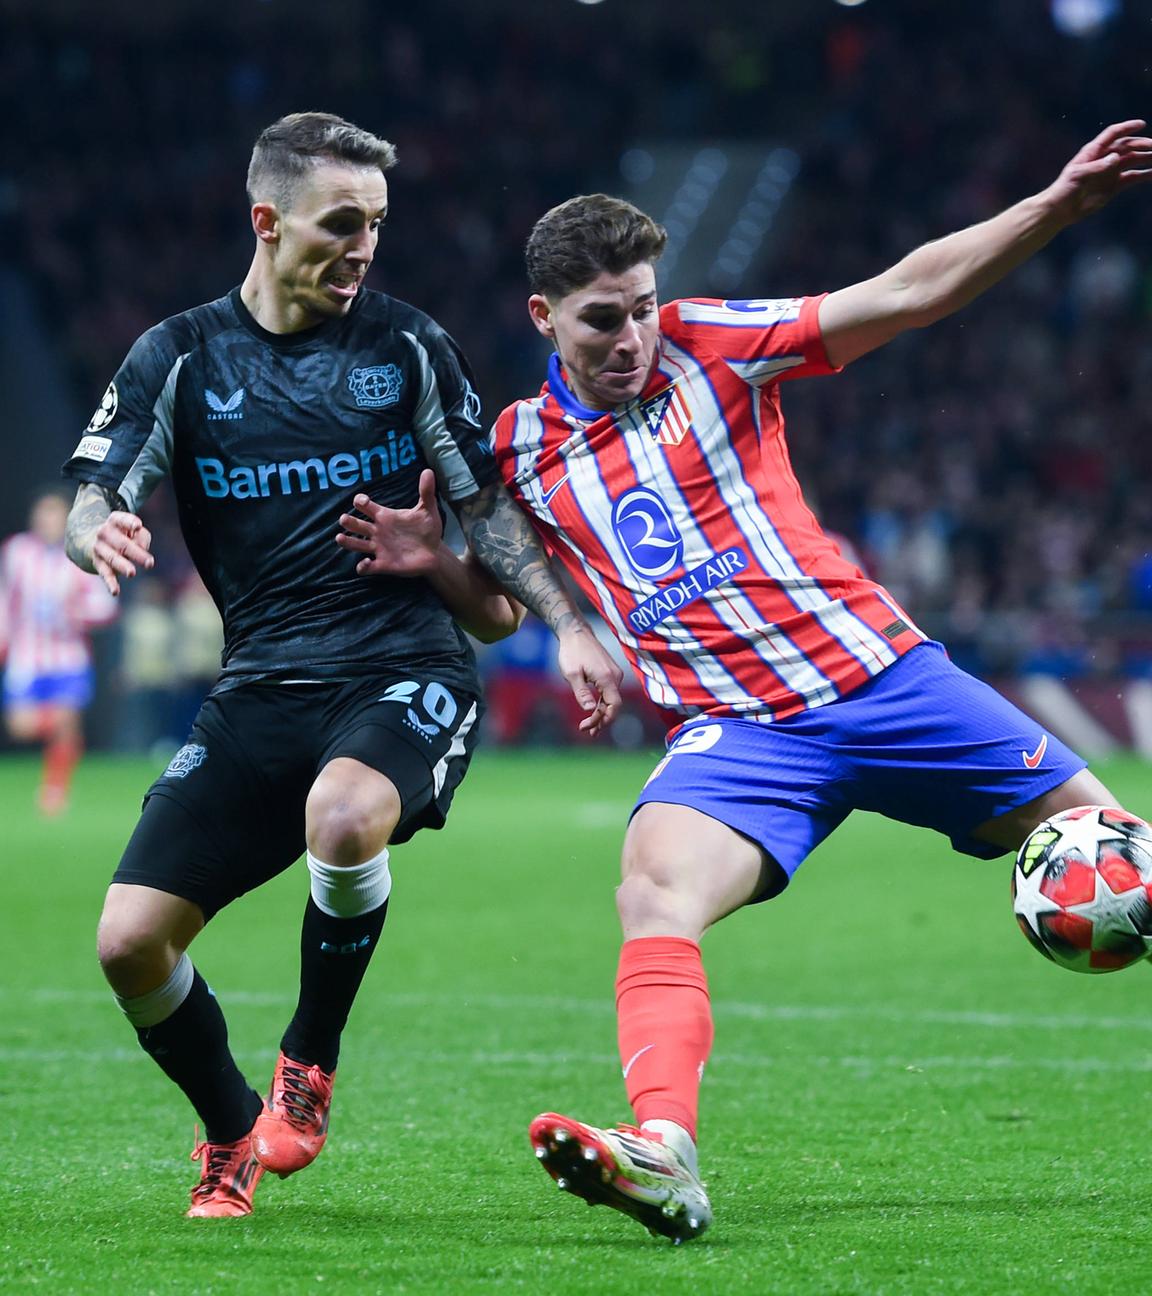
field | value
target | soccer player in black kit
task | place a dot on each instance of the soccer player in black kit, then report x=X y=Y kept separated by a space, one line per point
x=346 y=711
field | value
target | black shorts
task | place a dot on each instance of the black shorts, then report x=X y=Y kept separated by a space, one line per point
x=228 y=812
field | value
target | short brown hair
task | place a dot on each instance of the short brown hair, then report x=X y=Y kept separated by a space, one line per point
x=573 y=243
x=286 y=151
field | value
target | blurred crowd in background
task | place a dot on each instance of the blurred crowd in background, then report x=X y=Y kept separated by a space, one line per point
x=992 y=471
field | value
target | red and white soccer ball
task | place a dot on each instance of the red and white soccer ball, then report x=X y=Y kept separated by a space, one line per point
x=1082 y=889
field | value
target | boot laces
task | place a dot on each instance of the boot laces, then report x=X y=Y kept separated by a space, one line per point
x=304 y=1092
x=214 y=1158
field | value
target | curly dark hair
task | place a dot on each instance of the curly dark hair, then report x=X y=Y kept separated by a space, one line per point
x=574 y=242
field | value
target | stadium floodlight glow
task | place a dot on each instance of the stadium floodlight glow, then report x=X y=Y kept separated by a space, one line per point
x=754 y=219
x=689 y=202
x=637 y=166
x=1083 y=17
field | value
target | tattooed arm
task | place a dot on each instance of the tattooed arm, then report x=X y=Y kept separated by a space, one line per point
x=502 y=538
x=103 y=538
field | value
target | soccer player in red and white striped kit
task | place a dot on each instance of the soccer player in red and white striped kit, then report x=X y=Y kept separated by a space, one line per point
x=47 y=609
x=654 y=467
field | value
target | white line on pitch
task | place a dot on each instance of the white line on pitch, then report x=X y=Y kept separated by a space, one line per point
x=764 y=1063
x=603 y=1008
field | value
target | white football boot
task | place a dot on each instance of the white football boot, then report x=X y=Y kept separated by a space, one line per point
x=626 y=1168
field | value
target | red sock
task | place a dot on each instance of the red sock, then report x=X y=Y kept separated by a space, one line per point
x=60 y=757
x=664 y=1025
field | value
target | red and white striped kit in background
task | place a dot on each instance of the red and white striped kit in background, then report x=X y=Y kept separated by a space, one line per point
x=680 y=517
x=47 y=607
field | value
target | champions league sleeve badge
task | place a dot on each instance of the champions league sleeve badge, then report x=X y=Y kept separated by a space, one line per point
x=105 y=411
x=92 y=445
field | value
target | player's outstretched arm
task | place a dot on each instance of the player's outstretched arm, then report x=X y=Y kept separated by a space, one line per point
x=945 y=275
x=502 y=539
x=410 y=542
x=102 y=538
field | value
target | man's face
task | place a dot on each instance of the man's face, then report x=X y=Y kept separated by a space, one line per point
x=326 y=238
x=606 y=334
x=49 y=519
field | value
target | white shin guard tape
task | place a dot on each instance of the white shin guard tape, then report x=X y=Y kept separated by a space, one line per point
x=158 y=1005
x=350 y=892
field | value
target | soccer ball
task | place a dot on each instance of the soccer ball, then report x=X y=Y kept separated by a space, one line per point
x=1082 y=889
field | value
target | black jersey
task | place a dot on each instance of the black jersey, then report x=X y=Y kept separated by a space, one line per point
x=268 y=437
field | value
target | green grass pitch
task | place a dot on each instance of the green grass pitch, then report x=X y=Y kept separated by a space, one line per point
x=903 y=1096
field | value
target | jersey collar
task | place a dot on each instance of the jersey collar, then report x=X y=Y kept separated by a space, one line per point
x=567 y=400
x=565 y=396
x=301 y=336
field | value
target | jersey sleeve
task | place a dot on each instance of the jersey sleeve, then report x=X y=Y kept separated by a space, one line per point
x=447 y=422
x=762 y=340
x=127 y=445
x=504 y=448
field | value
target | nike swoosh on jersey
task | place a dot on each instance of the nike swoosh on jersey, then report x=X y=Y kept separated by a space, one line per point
x=546 y=496
x=1032 y=759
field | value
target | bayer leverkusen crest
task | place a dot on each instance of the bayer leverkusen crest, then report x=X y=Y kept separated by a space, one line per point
x=375 y=386
x=667 y=415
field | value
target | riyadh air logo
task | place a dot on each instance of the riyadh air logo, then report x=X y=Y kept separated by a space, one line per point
x=376 y=386
x=651 y=541
x=229 y=407
x=191 y=756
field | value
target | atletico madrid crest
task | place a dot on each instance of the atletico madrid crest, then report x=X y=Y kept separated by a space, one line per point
x=667 y=416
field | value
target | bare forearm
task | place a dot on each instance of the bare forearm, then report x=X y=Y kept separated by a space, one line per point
x=473 y=597
x=945 y=275
x=90 y=510
x=505 y=545
x=941 y=277
x=103 y=538
x=502 y=539
x=935 y=280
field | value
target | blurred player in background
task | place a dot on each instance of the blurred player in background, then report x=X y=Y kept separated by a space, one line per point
x=346 y=711
x=653 y=465
x=47 y=609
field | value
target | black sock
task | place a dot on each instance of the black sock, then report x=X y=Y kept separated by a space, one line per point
x=334 y=955
x=191 y=1048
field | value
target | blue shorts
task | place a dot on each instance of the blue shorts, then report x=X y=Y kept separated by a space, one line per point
x=68 y=689
x=923 y=743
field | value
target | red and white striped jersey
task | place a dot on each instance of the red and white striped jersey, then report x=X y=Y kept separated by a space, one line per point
x=47 y=606
x=680 y=517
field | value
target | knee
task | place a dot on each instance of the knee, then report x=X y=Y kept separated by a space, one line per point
x=347 y=825
x=22 y=728
x=132 y=954
x=649 y=903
